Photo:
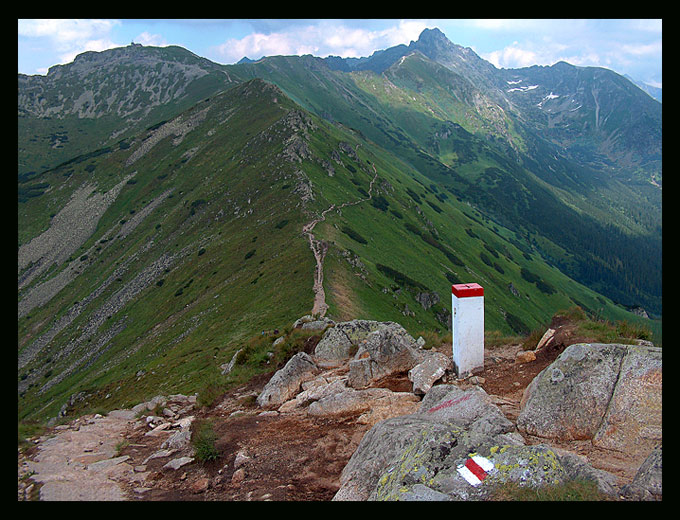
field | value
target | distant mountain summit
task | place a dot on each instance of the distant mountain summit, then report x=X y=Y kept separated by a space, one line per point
x=119 y=91
x=655 y=92
x=170 y=209
x=594 y=114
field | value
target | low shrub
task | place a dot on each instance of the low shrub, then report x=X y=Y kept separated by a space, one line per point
x=354 y=235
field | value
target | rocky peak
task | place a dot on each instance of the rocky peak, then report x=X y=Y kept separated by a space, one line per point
x=433 y=37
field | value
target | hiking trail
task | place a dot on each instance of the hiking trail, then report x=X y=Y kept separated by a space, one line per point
x=320 y=248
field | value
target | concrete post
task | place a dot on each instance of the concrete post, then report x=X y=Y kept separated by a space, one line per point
x=467 y=323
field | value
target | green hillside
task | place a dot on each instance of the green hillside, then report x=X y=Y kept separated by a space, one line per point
x=597 y=228
x=146 y=264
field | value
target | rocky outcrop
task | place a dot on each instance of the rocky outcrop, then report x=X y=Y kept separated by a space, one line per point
x=387 y=350
x=418 y=456
x=648 y=481
x=343 y=340
x=592 y=391
x=286 y=382
x=349 y=359
x=421 y=441
x=608 y=393
x=310 y=322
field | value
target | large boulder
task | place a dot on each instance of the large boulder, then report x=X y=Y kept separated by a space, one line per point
x=607 y=393
x=429 y=371
x=374 y=404
x=633 y=420
x=341 y=341
x=285 y=383
x=421 y=456
x=648 y=481
x=310 y=322
x=569 y=398
x=387 y=350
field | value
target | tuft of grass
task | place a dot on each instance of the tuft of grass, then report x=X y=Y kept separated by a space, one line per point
x=605 y=331
x=209 y=393
x=495 y=338
x=28 y=429
x=531 y=341
x=203 y=441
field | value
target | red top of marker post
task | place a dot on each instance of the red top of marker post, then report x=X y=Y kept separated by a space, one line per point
x=465 y=290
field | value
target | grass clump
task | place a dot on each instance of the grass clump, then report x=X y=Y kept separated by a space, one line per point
x=203 y=441
x=208 y=394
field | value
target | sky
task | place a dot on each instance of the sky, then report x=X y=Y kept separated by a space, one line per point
x=626 y=46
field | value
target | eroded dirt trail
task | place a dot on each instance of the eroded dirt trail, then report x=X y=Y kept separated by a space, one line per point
x=320 y=248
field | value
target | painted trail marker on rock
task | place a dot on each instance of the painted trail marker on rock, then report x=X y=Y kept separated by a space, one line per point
x=475 y=469
x=467 y=323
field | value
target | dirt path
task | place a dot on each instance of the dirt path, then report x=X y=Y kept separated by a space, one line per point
x=286 y=456
x=320 y=248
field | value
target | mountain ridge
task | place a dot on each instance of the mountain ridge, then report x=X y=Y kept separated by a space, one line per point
x=203 y=245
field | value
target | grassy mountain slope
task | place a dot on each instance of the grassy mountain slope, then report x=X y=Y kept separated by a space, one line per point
x=202 y=233
x=103 y=97
x=599 y=229
x=145 y=266
x=504 y=140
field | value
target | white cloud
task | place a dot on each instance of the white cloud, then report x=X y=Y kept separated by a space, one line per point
x=256 y=45
x=327 y=37
x=68 y=38
x=90 y=45
x=512 y=56
x=642 y=49
x=64 y=31
x=147 y=38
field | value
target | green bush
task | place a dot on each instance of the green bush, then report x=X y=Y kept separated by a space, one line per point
x=528 y=275
x=380 y=202
x=400 y=277
x=353 y=235
x=516 y=324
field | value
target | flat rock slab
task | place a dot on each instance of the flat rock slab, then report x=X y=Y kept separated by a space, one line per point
x=80 y=464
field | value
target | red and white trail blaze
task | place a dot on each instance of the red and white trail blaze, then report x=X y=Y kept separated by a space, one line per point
x=475 y=469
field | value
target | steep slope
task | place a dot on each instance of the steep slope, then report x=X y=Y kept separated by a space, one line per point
x=103 y=97
x=580 y=146
x=596 y=116
x=199 y=228
x=144 y=267
x=601 y=229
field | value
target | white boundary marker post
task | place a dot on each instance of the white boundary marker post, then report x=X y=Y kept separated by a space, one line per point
x=467 y=323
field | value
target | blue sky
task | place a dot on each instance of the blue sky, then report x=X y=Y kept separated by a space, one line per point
x=627 y=46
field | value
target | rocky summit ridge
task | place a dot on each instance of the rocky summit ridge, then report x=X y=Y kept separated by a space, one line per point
x=400 y=424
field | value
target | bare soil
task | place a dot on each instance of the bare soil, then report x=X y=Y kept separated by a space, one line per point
x=297 y=457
